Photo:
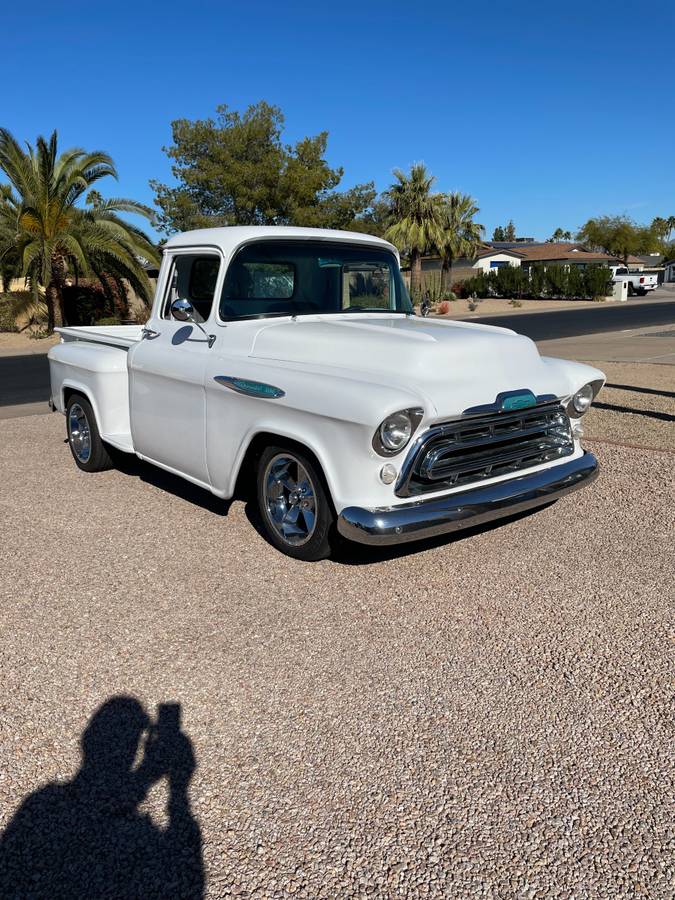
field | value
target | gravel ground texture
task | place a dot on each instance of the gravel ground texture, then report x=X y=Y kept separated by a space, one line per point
x=489 y=716
x=636 y=406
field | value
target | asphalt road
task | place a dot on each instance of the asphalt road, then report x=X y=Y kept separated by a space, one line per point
x=25 y=379
x=570 y=323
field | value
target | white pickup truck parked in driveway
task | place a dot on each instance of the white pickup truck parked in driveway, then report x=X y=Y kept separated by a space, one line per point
x=638 y=282
x=291 y=356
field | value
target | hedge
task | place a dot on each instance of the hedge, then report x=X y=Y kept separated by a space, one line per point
x=558 y=281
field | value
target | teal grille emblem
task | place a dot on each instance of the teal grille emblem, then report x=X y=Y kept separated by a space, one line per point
x=520 y=400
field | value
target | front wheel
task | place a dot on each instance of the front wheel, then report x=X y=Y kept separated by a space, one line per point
x=294 y=506
x=89 y=451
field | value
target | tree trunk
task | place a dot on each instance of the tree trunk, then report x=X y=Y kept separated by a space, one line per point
x=446 y=274
x=54 y=298
x=416 y=275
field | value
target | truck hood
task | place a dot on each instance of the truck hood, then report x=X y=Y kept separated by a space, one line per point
x=451 y=365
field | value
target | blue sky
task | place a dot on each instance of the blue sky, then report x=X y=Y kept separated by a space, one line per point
x=541 y=111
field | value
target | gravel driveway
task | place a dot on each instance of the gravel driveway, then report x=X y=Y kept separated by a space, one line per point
x=489 y=716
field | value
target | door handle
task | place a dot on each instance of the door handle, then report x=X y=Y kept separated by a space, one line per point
x=149 y=333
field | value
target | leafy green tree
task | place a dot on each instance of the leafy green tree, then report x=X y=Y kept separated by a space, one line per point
x=618 y=235
x=236 y=170
x=48 y=236
x=460 y=236
x=416 y=218
x=375 y=220
x=505 y=232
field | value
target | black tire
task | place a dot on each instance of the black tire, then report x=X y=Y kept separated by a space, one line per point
x=89 y=451
x=295 y=508
x=642 y=293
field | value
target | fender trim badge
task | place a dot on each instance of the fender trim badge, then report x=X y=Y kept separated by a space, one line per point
x=250 y=388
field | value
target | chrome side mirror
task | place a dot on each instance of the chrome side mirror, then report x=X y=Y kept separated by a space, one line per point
x=182 y=310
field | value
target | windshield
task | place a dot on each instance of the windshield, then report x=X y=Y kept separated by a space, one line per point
x=290 y=278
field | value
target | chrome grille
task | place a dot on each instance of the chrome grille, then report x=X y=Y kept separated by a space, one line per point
x=474 y=448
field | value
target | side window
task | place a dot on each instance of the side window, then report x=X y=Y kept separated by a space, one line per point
x=193 y=278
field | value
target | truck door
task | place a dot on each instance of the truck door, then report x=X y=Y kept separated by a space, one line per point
x=166 y=369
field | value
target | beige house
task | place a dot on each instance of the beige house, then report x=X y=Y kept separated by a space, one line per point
x=495 y=255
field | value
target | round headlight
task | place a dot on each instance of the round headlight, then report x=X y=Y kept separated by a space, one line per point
x=396 y=431
x=582 y=400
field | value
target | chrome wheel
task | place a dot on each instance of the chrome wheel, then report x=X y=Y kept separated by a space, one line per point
x=289 y=499
x=78 y=433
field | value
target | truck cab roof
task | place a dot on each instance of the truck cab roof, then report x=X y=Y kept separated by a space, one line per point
x=229 y=238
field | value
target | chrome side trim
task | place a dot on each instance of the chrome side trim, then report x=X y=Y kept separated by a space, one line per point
x=250 y=388
x=464 y=509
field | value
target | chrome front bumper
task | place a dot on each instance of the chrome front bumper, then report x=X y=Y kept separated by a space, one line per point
x=428 y=518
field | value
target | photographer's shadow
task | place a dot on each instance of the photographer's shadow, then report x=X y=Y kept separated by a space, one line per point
x=88 y=838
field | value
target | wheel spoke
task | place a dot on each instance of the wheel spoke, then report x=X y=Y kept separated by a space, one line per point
x=309 y=517
x=290 y=524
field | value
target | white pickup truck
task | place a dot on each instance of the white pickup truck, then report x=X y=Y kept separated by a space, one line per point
x=291 y=359
x=638 y=282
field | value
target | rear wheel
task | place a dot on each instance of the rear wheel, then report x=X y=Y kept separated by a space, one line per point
x=293 y=503
x=89 y=451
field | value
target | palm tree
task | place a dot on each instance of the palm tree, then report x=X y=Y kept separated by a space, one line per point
x=460 y=235
x=49 y=236
x=9 y=262
x=416 y=216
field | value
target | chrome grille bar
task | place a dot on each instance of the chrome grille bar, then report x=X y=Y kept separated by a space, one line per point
x=467 y=451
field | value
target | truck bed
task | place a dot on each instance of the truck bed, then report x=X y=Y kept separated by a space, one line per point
x=123 y=336
x=92 y=360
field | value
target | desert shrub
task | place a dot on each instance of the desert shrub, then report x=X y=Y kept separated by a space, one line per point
x=7 y=317
x=515 y=303
x=450 y=296
x=537 y=280
x=473 y=305
x=478 y=285
x=108 y=320
x=508 y=281
x=556 y=281
x=598 y=282
x=576 y=282
x=20 y=310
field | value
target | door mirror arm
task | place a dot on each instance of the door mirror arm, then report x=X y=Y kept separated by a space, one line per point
x=183 y=311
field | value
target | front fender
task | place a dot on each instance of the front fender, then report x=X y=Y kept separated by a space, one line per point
x=335 y=416
x=572 y=375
